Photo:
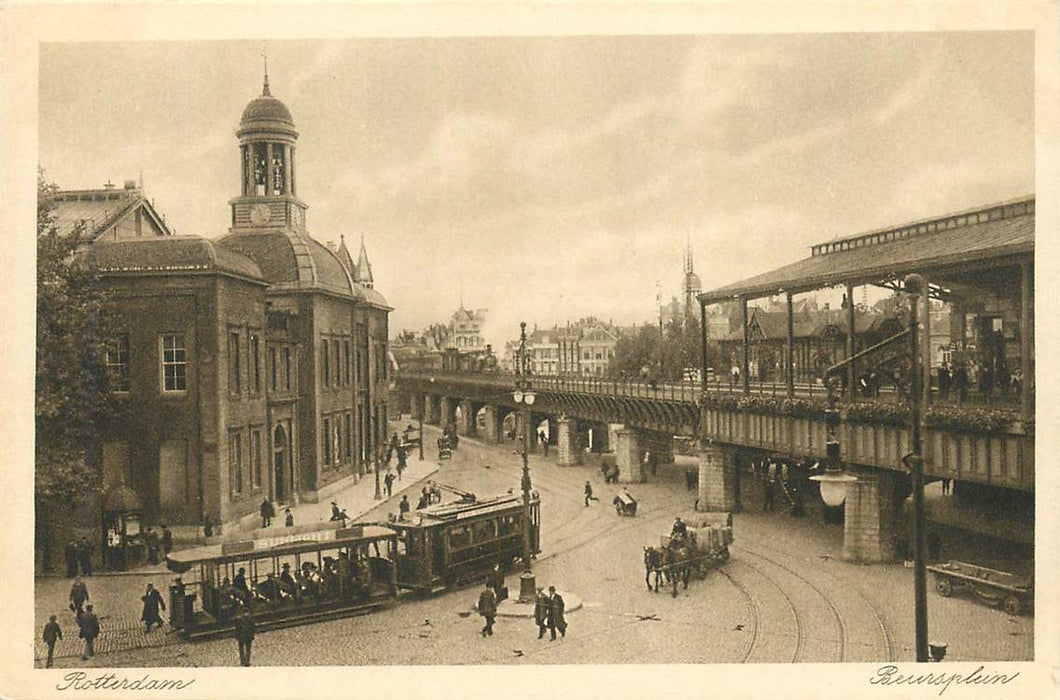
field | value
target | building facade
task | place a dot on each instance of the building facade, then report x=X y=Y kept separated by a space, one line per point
x=245 y=368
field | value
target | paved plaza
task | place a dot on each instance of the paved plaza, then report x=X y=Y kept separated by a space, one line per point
x=785 y=596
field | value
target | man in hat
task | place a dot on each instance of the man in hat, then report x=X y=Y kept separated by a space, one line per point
x=556 y=620
x=541 y=612
x=84 y=555
x=152 y=600
x=167 y=540
x=388 y=481
x=336 y=513
x=78 y=596
x=52 y=632
x=288 y=518
x=89 y=625
x=267 y=513
x=487 y=608
x=403 y=507
x=244 y=632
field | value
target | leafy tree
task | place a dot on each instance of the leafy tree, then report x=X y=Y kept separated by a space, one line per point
x=70 y=383
x=641 y=354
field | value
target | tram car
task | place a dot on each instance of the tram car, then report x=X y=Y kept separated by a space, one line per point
x=283 y=581
x=448 y=545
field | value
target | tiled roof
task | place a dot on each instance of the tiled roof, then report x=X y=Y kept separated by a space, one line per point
x=98 y=210
x=981 y=234
x=168 y=254
x=774 y=324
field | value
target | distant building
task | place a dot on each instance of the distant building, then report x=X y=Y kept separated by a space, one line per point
x=465 y=330
x=584 y=348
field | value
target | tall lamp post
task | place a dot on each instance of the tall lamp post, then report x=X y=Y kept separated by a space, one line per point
x=915 y=286
x=834 y=480
x=524 y=396
x=421 y=436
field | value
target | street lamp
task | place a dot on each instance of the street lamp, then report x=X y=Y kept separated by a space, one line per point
x=523 y=395
x=834 y=481
x=915 y=286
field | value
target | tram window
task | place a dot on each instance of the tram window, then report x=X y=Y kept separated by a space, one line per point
x=459 y=537
x=484 y=530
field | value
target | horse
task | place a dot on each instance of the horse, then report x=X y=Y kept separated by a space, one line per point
x=678 y=562
x=653 y=563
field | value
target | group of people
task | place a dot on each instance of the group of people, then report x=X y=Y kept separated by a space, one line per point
x=549 y=610
x=78 y=557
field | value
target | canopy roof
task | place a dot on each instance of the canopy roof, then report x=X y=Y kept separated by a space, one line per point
x=978 y=236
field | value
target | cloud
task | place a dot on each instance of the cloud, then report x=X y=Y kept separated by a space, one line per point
x=911 y=92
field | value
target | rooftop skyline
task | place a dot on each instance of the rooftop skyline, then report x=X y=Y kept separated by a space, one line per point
x=559 y=177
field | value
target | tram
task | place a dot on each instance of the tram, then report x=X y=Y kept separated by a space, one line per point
x=319 y=576
x=451 y=544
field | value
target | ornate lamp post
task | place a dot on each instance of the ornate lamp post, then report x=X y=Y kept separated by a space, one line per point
x=421 y=436
x=915 y=286
x=834 y=480
x=524 y=396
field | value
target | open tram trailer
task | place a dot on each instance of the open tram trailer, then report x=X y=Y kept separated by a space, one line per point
x=352 y=570
x=452 y=544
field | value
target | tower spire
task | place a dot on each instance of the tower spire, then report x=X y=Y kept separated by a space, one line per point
x=265 y=55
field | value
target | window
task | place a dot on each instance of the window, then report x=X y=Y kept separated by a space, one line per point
x=484 y=531
x=234 y=380
x=346 y=355
x=272 y=369
x=118 y=363
x=255 y=457
x=287 y=368
x=327 y=440
x=459 y=537
x=325 y=363
x=337 y=360
x=255 y=358
x=338 y=441
x=235 y=462
x=174 y=363
x=346 y=423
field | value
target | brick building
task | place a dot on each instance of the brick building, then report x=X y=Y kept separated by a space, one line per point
x=248 y=367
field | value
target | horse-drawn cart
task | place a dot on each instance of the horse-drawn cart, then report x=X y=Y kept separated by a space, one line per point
x=705 y=546
x=1014 y=593
x=444 y=450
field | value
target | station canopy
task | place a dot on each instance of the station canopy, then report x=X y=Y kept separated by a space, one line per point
x=979 y=247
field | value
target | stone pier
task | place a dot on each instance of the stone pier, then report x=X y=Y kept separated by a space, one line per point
x=717 y=478
x=628 y=456
x=467 y=424
x=569 y=442
x=871 y=518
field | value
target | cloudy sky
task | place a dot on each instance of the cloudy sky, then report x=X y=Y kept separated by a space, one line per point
x=551 y=178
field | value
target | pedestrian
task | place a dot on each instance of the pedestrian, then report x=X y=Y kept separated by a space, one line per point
x=336 y=512
x=401 y=463
x=52 y=632
x=543 y=440
x=403 y=507
x=84 y=556
x=152 y=602
x=436 y=493
x=167 y=540
x=288 y=518
x=556 y=620
x=388 y=481
x=78 y=596
x=244 y=631
x=487 y=608
x=89 y=625
x=589 y=494
x=240 y=587
x=207 y=526
x=946 y=486
x=267 y=513
x=154 y=545
x=497 y=579
x=425 y=499
x=70 y=551
x=771 y=485
x=541 y=612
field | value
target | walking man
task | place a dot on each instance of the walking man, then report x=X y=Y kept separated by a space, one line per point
x=487 y=608
x=541 y=612
x=167 y=540
x=401 y=463
x=589 y=494
x=288 y=518
x=556 y=606
x=267 y=513
x=152 y=600
x=403 y=507
x=543 y=440
x=78 y=596
x=89 y=624
x=244 y=637
x=388 y=481
x=52 y=632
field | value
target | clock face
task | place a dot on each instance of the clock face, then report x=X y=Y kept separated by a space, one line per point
x=260 y=214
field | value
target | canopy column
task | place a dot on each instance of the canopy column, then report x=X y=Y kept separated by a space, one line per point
x=790 y=355
x=852 y=377
x=1026 y=339
x=745 y=362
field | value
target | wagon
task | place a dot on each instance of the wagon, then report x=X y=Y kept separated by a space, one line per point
x=1014 y=593
x=625 y=504
x=444 y=450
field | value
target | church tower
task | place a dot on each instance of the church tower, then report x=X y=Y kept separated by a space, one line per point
x=692 y=285
x=268 y=200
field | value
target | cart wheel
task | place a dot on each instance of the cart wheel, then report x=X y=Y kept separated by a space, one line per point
x=1012 y=605
x=944 y=587
x=723 y=555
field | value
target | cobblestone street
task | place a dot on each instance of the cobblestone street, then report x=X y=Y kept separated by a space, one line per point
x=783 y=597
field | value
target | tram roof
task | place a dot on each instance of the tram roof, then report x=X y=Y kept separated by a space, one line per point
x=182 y=560
x=984 y=235
x=459 y=510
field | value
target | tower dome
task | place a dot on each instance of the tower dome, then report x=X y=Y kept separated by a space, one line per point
x=266 y=113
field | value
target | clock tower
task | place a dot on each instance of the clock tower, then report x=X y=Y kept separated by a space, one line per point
x=268 y=200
